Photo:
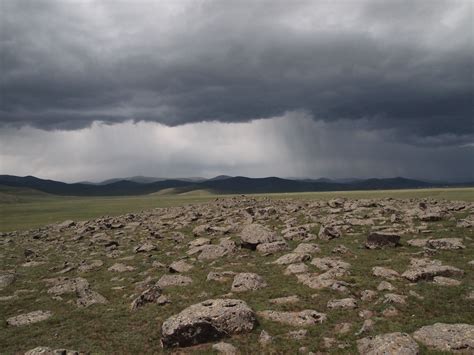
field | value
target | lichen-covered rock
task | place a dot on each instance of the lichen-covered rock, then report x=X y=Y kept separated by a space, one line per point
x=292 y=258
x=273 y=247
x=445 y=243
x=206 y=321
x=391 y=343
x=29 y=318
x=255 y=234
x=247 y=281
x=180 y=266
x=173 y=280
x=344 y=303
x=303 y=318
x=447 y=337
x=328 y=233
x=385 y=273
x=427 y=269
x=150 y=295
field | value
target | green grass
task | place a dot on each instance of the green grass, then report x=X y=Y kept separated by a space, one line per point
x=22 y=209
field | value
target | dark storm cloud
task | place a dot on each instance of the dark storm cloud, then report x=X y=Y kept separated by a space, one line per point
x=406 y=65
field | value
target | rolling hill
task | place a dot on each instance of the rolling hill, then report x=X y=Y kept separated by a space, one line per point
x=220 y=184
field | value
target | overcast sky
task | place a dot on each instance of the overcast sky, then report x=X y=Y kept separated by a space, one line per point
x=98 y=89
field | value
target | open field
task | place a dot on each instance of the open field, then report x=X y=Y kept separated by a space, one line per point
x=85 y=276
x=22 y=209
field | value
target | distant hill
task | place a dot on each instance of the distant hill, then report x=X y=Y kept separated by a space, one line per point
x=219 y=184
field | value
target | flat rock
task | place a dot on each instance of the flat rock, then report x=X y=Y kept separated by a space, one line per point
x=119 y=267
x=446 y=281
x=150 y=295
x=247 y=281
x=447 y=337
x=292 y=258
x=391 y=343
x=445 y=244
x=87 y=266
x=273 y=247
x=220 y=276
x=206 y=321
x=144 y=248
x=180 y=266
x=328 y=233
x=344 y=303
x=303 y=318
x=225 y=348
x=427 y=269
x=173 y=280
x=385 y=273
x=29 y=318
x=307 y=248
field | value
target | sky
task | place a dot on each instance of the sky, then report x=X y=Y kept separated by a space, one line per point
x=91 y=90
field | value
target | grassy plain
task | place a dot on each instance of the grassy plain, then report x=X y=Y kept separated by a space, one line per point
x=22 y=209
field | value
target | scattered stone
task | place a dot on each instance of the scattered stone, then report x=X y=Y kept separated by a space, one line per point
x=367 y=326
x=145 y=248
x=446 y=243
x=92 y=265
x=29 y=318
x=150 y=295
x=385 y=286
x=307 y=248
x=273 y=247
x=303 y=318
x=390 y=312
x=207 y=321
x=394 y=298
x=285 y=300
x=265 y=338
x=328 y=233
x=297 y=334
x=173 y=280
x=247 y=281
x=427 y=269
x=377 y=240
x=368 y=295
x=225 y=348
x=445 y=281
x=296 y=269
x=119 y=267
x=385 y=273
x=255 y=234
x=292 y=258
x=344 y=303
x=222 y=276
x=391 y=343
x=343 y=328
x=180 y=266
x=447 y=337
x=44 y=350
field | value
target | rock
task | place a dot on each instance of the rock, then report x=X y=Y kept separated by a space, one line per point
x=377 y=240
x=292 y=258
x=446 y=243
x=297 y=334
x=213 y=252
x=207 y=321
x=447 y=337
x=265 y=338
x=173 y=280
x=328 y=233
x=390 y=312
x=85 y=266
x=87 y=298
x=394 y=298
x=198 y=242
x=427 y=269
x=391 y=343
x=255 y=234
x=421 y=243
x=343 y=328
x=78 y=286
x=307 y=248
x=66 y=224
x=329 y=263
x=320 y=281
x=119 y=267
x=144 y=248
x=385 y=273
x=296 y=269
x=6 y=279
x=150 y=295
x=340 y=249
x=222 y=276
x=225 y=348
x=368 y=295
x=273 y=247
x=367 y=326
x=430 y=216
x=445 y=281
x=285 y=300
x=303 y=318
x=29 y=318
x=201 y=230
x=344 y=303
x=385 y=286
x=247 y=281
x=44 y=350
x=180 y=266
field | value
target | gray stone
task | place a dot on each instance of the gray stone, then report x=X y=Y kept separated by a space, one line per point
x=447 y=337
x=247 y=281
x=391 y=343
x=303 y=318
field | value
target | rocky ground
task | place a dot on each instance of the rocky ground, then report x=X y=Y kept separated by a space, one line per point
x=244 y=275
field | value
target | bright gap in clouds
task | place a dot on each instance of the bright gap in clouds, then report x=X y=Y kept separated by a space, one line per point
x=293 y=145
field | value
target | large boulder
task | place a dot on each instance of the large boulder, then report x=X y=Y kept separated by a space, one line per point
x=255 y=234
x=207 y=321
x=391 y=343
x=447 y=337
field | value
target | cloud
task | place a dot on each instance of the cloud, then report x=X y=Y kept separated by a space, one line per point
x=292 y=145
x=404 y=66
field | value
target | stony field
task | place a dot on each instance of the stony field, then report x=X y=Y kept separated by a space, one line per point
x=245 y=275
